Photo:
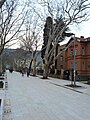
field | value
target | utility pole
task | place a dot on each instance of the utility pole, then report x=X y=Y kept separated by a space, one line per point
x=74 y=61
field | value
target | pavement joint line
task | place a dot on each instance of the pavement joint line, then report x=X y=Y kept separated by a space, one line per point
x=7 y=113
x=67 y=88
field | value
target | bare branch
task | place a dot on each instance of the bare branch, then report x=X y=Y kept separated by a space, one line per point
x=2 y=2
x=10 y=23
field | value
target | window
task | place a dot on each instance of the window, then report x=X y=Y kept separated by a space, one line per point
x=82 y=61
x=88 y=66
x=61 y=66
x=71 y=52
x=61 y=58
x=83 y=51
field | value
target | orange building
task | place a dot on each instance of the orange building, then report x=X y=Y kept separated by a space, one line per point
x=82 y=56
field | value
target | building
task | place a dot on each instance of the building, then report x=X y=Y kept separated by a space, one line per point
x=61 y=57
x=82 y=56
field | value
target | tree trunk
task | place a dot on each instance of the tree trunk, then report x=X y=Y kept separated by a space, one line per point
x=45 y=71
x=34 y=67
x=55 y=71
x=30 y=66
x=71 y=77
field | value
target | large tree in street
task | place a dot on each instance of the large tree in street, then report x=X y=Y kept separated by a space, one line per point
x=65 y=34
x=47 y=31
x=72 y=11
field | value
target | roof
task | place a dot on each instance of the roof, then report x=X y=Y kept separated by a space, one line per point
x=81 y=40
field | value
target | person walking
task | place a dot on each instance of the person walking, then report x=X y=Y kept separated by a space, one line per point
x=27 y=73
x=22 y=72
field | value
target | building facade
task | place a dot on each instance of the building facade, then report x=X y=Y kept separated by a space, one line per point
x=80 y=49
x=75 y=55
x=61 y=57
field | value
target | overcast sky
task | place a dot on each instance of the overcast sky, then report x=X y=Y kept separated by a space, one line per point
x=82 y=29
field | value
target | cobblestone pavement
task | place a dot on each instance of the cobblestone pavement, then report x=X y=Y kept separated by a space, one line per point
x=33 y=98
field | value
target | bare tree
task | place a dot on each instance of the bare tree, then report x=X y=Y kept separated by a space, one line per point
x=10 y=23
x=72 y=11
x=30 y=41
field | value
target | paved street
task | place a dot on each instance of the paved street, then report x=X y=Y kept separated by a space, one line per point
x=33 y=98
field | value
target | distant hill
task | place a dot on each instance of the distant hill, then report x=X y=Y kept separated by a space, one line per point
x=12 y=52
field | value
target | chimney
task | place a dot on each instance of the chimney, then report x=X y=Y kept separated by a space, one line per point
x=81 y=37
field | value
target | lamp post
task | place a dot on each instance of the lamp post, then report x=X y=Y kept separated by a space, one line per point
x=74 y=61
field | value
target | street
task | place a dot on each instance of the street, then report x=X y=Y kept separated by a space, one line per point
x=33 y=98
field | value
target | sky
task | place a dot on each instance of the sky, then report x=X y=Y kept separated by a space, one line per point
x=82 y=29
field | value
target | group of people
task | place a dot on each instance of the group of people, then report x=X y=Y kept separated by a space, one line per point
x=23 y=72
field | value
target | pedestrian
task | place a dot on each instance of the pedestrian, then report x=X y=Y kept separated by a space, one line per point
x=27 y=73
x=22 y=73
